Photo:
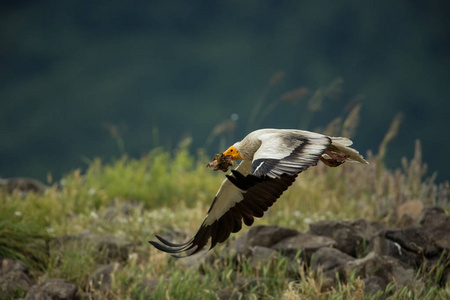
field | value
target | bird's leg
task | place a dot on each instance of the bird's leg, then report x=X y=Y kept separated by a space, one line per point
x=334 y=159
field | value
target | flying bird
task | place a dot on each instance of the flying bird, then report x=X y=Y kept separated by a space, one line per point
x=271 y=160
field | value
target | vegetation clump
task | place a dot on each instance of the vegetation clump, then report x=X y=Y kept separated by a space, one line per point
x=132 y=199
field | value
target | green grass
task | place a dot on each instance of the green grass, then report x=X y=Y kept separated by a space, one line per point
x=167 y=192
x=22 y=239
x=172 y=191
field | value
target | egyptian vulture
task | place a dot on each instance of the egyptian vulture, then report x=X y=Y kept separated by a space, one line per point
x=271 y=161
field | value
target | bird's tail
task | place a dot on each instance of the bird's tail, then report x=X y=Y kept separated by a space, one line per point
x=341 y=146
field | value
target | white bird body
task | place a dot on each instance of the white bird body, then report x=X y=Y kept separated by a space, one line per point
x=271 y=161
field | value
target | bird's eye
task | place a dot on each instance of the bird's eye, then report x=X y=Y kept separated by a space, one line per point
x=231 y=150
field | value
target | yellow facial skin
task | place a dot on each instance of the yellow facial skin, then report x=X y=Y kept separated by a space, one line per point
x=233 y=152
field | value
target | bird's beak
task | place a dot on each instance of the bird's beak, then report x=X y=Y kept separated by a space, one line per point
x=233 y=152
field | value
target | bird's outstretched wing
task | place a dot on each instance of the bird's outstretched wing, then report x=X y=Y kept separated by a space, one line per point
x=253 y=187
x=241 y=197
x=287 y=152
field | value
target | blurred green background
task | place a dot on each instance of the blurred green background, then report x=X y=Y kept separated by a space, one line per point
x=84 y=79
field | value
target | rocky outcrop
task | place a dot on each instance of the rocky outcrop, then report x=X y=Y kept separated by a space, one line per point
x=53 y=289
x=333 y=250
x=22 y=184
x=102 y=278
x=14 y=279
x=337 y=250
x=108 y=251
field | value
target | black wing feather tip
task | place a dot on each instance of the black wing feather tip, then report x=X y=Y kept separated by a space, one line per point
x=163 y=248
x=249 y=222
x=185 y=254
x=190 y=247
x=164 y=241
x=170 y=244
x=257 y=199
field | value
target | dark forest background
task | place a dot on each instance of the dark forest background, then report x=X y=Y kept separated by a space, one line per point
x=84 y=79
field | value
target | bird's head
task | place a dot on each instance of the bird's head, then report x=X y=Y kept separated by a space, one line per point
x=233 y=152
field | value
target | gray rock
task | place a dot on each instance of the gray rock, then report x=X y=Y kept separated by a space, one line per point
x=327 y=259
x=236 y=249
x=262 y=256
x=366 y=228
x=371 y=265
x=22 y=184
x=8 y=265
x=386 y=268
x=432 y=218
x=374 y=285
x=101 y=279
x=239 y=245
x=266 y=236
x=351 y=237
x=14 y=279
x=112 y=249
x=405 y=220
x=386 y=247
x=13 y=284
x=304 y=242
x=401 y=274
x=437 y=224
x=413 y=239
x=245 y=246
x=335 y=264
x=57 y=289
x=263 y=236
x=386 y=255
x=330 y=263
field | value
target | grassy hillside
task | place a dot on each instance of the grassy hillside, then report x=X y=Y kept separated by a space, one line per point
x=164 y=192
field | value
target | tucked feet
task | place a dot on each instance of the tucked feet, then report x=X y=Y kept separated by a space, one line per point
x=333 y=159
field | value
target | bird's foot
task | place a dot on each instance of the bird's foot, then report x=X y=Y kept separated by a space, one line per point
x=333 y=159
